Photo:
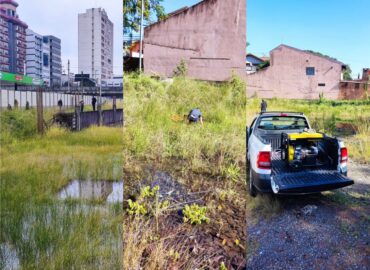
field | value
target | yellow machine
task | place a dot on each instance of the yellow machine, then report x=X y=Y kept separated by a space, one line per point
x=300 y=149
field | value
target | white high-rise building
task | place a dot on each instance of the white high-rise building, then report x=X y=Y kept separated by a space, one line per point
x=95 y=44
x=43 y=58
x=34 y=54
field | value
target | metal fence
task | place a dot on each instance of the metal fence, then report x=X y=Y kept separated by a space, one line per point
x=81 y=120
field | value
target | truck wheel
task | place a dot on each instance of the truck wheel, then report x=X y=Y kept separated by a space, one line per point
x=252 y=189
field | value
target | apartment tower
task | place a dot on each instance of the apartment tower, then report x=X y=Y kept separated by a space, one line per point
x=12 y=38
x=95 y=44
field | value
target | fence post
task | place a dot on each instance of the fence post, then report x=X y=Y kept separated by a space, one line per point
x=100 y=117
x=40 y=113
x=114 y=110
x=78 y=117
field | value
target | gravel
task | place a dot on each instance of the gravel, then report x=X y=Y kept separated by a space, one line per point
x=322 y=231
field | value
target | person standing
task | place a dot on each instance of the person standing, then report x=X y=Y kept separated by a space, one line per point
x=60 y=104
x=263 y=106
x=93 y=103
x=82 y=105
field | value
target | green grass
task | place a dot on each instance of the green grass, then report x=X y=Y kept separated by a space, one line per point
x=45 y=232
x=324 y=116
x=150 y=133
x=205 y=157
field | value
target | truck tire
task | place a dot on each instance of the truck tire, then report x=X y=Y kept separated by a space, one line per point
x=252 y=189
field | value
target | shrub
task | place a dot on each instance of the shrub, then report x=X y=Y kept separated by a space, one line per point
x=181 y=69
x=195 y=214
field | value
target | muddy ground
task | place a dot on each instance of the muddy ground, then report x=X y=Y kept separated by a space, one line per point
x=322 y=231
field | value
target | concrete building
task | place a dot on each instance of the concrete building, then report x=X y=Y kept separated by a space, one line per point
x=12 y=38
x=210 y=36
x=53 y=61
x=95 y=44
x=46 y=61
x=34 y=54
x=43 y=59
x=295 y=73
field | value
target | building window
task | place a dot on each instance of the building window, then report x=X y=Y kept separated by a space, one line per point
x=310 y=71
x=321 y=84
x=45 y=60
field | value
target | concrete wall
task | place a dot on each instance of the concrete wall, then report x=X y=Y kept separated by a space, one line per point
x=210 y=37
x=286 y=77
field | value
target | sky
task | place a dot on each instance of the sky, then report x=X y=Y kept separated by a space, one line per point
x=60 y=18
x=338 y=28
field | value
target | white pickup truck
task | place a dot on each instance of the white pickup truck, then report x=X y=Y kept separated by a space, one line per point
x=285 y=156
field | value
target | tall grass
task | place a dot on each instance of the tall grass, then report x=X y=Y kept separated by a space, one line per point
x=151 y=134
x=205 y=157
x=44 y=232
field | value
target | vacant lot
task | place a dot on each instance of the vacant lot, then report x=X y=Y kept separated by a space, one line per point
x=190 y=164
x=38 y=230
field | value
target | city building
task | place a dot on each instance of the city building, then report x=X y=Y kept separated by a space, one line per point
x=209 y=36
x=95 y=44
x=12 y=38
x=34 y=54
x=295 y=73
x=53 y=61
x=43 y=58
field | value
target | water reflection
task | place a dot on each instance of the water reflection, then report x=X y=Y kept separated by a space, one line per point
x=104 y=190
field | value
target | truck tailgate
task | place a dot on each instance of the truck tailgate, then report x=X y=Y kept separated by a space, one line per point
x=308 y=181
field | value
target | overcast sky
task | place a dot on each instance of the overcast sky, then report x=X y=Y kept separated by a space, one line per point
x=60 y=18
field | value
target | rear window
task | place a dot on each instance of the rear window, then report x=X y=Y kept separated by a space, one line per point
x=282 y=122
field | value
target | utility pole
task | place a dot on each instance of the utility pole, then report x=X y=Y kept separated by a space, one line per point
x=68 y=75
x=141 y=35
x=40 y=111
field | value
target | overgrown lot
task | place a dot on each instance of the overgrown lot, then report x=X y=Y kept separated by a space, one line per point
x=206 y=163
x=38 y=230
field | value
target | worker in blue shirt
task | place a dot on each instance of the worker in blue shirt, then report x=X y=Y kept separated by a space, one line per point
x=195 y=116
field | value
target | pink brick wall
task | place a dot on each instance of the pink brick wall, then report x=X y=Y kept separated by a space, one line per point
x=210 y=37
x=286 y=77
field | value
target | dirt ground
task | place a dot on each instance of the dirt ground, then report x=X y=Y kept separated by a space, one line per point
x=208 y=245
x=323 y=231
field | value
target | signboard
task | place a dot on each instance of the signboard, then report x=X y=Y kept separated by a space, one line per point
x=16 y=78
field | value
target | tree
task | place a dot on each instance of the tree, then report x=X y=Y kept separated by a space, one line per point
x=347 y=73
x=132 y=11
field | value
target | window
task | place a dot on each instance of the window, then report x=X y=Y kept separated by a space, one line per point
x=46 y=60
x=282 y=123
x=321 y=84
x=310 y=71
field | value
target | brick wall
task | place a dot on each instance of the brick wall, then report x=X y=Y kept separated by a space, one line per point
x=353 y=90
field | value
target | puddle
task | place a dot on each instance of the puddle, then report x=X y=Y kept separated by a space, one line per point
x=103 y=190
x=9 y=257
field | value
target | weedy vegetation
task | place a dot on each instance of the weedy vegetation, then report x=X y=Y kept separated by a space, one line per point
x=38 y=230
x=207 y=160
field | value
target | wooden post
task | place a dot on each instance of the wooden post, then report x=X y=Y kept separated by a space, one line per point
x=40 y=113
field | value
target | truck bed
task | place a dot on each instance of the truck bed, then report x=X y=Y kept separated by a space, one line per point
x=307 y=180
